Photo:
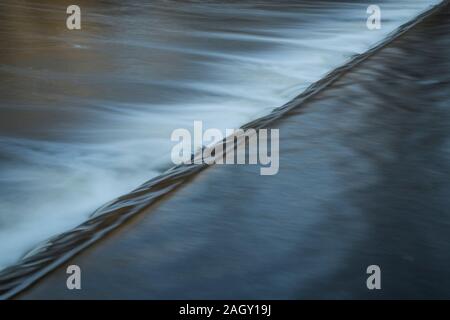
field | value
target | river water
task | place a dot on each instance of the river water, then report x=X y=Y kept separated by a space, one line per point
x=86 y=115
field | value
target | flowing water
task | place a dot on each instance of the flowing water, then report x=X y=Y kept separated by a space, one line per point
x=86 y=115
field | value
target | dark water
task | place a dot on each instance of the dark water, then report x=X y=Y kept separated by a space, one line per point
x=363 y=180
x=86 y=116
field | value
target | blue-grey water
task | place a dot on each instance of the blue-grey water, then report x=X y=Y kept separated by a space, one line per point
x=86 y=115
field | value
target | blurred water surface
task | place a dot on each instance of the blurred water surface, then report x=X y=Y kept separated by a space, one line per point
x=86 y=116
